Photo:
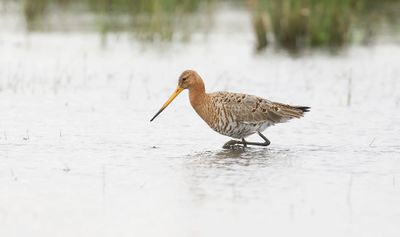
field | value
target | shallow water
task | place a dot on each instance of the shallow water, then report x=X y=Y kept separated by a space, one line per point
x=79 y=156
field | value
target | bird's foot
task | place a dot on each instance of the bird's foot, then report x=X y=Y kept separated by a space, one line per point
x=232 y=144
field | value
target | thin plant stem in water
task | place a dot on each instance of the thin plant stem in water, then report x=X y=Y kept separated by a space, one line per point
x=372 y=142
x=349 y=89
x=27 y=135
x=103 y=175
x=13 y=176
x=350 y=186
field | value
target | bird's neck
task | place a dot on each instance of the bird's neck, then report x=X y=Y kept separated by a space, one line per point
x=199 y=100
x=197 y=94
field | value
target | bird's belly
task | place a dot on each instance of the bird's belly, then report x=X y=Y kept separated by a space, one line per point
x=237 y=129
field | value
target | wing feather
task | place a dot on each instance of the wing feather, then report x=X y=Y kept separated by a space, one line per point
x=253 y=109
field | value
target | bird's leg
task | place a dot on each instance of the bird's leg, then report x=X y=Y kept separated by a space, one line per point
x=243 y=142
x=265 y=143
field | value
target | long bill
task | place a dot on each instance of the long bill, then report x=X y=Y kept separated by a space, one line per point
x=171 y=98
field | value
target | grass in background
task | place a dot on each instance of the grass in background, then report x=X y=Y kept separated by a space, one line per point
x=289 y=24
x=148 y=19
x=298 y=24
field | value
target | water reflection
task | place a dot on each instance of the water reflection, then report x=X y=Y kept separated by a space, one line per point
x=249 y=156
x=235 y=174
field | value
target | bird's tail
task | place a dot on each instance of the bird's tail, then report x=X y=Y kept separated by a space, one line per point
x=303 y=108
x=289 y=112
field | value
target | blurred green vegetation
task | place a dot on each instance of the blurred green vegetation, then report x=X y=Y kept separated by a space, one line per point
x=291 y=24
x=297 y=24
x=148 y=19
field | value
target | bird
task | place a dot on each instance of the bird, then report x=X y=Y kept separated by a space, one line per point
x=234 y=115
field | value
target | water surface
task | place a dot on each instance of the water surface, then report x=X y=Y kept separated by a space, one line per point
x=79 y=156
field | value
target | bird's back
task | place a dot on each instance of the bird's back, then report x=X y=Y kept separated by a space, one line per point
x=239 y=115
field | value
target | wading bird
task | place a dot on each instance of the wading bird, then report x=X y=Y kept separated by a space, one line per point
x=233 y=114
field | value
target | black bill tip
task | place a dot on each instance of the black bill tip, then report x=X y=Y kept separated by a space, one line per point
x=151 y=120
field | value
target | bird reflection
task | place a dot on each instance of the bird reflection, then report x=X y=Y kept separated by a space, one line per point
x=239 y=155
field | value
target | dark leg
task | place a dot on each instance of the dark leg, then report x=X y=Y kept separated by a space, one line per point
x=245 y=143
x=265 y=143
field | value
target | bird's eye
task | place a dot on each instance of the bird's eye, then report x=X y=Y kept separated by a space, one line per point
x=184 y=79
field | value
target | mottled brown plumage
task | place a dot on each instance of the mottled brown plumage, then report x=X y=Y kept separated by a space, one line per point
x=233 y=114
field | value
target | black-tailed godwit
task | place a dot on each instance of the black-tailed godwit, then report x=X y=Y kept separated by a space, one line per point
x=233 y=114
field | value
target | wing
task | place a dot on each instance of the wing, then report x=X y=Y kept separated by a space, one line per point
x=253 y=109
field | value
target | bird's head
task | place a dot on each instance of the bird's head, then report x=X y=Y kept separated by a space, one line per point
x=188 y=79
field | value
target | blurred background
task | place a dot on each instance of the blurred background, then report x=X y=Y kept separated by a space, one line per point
x=291 y=25
x=80 y=79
